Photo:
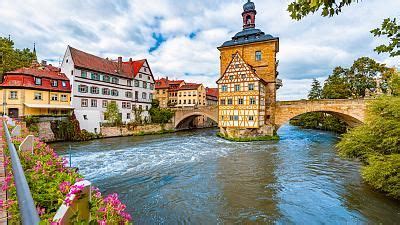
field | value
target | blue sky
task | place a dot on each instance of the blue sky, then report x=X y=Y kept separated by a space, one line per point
x=179 y=37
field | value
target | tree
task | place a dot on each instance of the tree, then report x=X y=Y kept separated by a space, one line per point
x=112 y=113
x=301 y=8
x=11 y=58
x=159 y=115
x=316 y=90
x=362 y=76
x=391 y=30
x=377 y=144
x=137 y=113
x=337 y=86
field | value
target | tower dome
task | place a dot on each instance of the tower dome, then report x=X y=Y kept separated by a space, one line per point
x=249 y=6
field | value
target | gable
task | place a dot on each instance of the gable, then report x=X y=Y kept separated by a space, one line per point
x=238 y=71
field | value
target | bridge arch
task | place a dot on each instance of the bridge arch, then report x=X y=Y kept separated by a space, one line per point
x=352 y=112
x=184 y=114
x=193 y=115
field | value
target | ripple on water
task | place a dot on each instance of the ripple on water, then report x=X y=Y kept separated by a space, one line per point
x=197 y=178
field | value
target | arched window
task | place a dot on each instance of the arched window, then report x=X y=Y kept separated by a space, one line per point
x=248 y=19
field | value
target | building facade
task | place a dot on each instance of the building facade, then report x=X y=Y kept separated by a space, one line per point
x=212 y=96
x=248 y=83
x=97 y=81
x=167 y=92
x=38 y=90
x=191 y=95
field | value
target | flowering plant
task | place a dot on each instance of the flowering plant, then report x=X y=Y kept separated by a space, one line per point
x=51 y=184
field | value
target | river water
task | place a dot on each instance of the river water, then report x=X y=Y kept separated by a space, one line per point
x=196 y=178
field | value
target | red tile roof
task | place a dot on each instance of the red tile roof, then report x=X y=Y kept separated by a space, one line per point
x=190 y=86
x=212 y=92
x=164 y=83
x=88 y=61
x=25 y=78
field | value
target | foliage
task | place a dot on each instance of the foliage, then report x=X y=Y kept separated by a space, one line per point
x=31 y=123
x=377 y=145
x=249 y=139
x=112 y=113
x=383 y=173
x=320 y=121
x=316 y=90
x=337 y=85
x=159 y=115
x=392 y=82
x=361 y=76
x=50 y=182
x=300 y=8
x=137 y=115
x=391 y=30
x=12 y=58
x=69 y=130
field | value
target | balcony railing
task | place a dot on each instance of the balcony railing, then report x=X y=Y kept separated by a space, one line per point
x=26 y=205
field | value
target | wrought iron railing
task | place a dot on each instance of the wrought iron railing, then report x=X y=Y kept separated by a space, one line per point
x=26 y=205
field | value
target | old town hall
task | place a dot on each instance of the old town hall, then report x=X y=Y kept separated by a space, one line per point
x=248 y=83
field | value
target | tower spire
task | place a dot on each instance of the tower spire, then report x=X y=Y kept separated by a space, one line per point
x=34 y=63
x=249 y=15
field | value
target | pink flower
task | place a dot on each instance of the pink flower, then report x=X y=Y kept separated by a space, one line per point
x=102 y=222
x=40 y=210
x=64 y=187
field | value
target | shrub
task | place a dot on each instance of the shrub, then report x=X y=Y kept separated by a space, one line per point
x=377 y=145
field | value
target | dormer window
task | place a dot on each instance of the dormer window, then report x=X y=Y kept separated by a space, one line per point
x=54 y=83
x=63 y=83
x=38 y=81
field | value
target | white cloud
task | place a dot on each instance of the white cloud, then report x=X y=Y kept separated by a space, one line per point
x=309 y=48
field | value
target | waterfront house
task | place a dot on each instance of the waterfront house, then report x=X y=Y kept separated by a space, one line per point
x=212 y=96
x=190 y=95
x=248 y=81
x=97 y=81
x=38 y=90
x=167 y=91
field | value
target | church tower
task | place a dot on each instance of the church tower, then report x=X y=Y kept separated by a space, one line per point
x=250 y=48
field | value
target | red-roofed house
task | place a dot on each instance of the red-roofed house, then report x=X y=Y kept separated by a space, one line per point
x=97 y=81
x=167 y=91
x=191 y=94
x=38 y=90
x=212 y=96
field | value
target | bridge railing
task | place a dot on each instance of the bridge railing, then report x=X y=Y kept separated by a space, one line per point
x=26 y=205
x=322 y=101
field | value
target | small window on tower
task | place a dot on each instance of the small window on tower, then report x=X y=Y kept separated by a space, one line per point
x=248 y=19
x=258 y=55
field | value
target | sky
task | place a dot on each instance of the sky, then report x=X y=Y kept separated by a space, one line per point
x=180 y=37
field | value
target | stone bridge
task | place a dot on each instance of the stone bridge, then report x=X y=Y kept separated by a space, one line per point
x=186 y=114
x=351 y=111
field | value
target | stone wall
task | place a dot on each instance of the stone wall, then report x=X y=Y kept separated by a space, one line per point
x=138 y=130
x=45 y=132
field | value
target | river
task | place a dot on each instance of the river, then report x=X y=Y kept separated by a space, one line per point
x=195 y=177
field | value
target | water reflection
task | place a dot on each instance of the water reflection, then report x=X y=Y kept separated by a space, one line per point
x=197 y=178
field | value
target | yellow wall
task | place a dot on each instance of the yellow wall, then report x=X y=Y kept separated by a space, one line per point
x=162 y=96
x=27 y=96
x=198 y=95
x=266 y=67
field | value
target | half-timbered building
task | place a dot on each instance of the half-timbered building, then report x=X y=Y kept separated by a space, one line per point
x=248 y=82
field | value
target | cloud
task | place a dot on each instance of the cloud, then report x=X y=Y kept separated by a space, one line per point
x=179 y=38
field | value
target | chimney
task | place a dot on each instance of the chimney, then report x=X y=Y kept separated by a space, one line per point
x=166 y=78
x=44 y=63
x=130 y=60
x=119 y=64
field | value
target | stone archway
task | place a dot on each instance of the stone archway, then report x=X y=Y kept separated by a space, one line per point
x=350 y=111
x=190 y=116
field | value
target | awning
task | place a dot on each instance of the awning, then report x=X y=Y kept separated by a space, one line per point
x=48 y=106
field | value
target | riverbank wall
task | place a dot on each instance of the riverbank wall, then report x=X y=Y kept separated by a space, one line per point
x=137 y=130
